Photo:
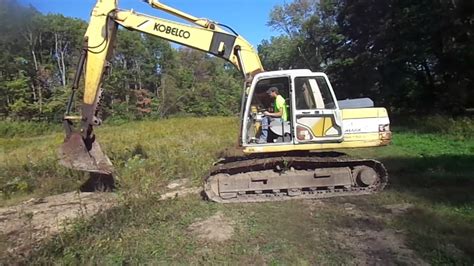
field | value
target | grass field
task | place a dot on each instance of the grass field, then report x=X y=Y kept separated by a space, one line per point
x=425 y=215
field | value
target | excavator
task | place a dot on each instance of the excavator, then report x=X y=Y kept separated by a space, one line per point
x=299 y=160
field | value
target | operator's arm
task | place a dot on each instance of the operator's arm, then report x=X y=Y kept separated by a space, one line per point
x=279 y=107
x=277 y=114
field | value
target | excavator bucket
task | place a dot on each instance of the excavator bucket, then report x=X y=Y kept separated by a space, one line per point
x=74 y=154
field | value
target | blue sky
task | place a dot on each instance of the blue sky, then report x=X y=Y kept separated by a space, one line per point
x=247 y=17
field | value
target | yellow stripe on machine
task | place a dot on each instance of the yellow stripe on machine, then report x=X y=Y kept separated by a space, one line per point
x=354 y=141
x=364 y=113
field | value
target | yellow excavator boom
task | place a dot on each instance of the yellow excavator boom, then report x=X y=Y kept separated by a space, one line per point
x=80 y=149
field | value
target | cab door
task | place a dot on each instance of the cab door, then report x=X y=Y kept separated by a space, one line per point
x=316 y=116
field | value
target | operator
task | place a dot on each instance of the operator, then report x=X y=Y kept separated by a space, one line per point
x=280 y=114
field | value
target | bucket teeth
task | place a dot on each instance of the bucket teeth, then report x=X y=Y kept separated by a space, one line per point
x=74 y=154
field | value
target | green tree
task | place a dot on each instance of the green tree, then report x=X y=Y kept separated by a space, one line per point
x=147 y=76
x=408 y=56
x=38 y=52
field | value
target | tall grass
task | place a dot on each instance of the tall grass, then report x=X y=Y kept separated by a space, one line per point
x=27 y=129
x=145 y=154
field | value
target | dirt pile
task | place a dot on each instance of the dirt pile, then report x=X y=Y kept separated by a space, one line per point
x=215 y=228
x=25 y=225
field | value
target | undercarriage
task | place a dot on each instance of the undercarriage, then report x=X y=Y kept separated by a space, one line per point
x=308 y=176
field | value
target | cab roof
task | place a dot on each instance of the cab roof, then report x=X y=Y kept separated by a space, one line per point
x=289 y=72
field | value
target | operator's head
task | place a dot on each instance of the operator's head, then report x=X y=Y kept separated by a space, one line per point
x=273 y=92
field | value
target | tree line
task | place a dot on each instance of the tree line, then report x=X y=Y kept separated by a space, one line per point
x=147 y=77
x=409 y=56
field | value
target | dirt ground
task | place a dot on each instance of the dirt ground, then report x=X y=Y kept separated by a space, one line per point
x=362 y=236
x=25 y=226
x=215 y=228
x=370 y=243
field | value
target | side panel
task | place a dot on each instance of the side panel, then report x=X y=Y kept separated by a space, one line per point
x=321 y=125
x=364 y=123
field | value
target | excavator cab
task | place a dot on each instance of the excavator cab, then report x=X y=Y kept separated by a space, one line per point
x=279 y=131
x=313 y=112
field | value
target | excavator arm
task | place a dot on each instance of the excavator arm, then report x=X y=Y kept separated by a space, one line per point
x=80 y=150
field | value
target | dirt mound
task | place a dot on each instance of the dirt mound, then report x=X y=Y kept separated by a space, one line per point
x=215 y=228
x=24 y=226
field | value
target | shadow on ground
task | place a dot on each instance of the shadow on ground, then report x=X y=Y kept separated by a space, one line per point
x=446 y=179
x=441 y=224
x=442 y=238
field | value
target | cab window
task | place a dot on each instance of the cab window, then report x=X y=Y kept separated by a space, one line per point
x=313 y=93
x=262 y=98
